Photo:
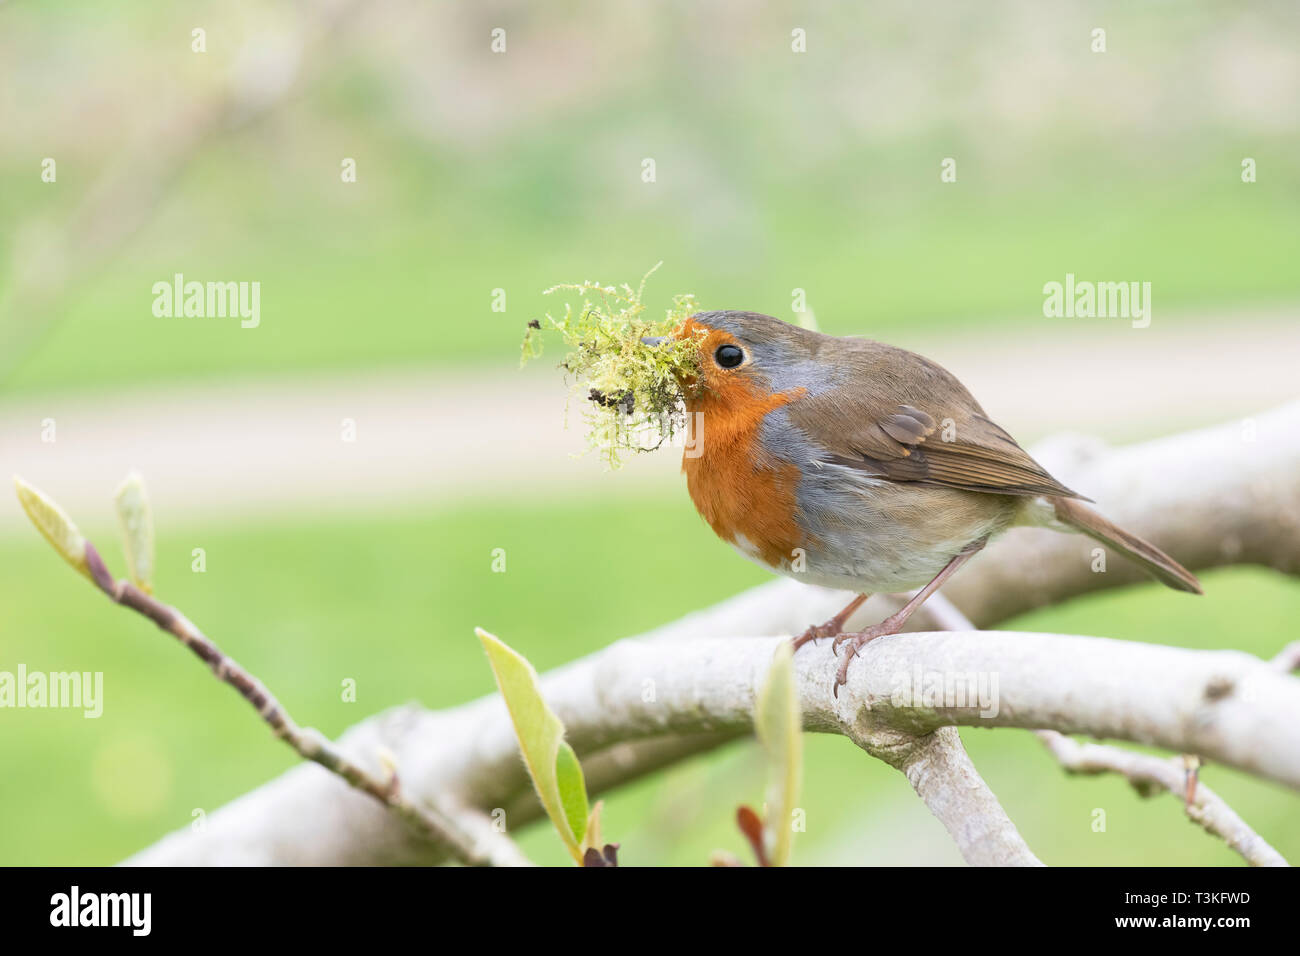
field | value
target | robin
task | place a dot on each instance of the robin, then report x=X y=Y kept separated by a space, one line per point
x=856 y=465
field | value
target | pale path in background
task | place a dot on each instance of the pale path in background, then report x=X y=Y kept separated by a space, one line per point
x=434 y=436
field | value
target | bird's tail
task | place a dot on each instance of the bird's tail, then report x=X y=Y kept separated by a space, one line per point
x=1154 y=561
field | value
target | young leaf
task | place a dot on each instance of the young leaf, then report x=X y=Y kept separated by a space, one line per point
x=54 y=525
x=572 y=788
x=780 y=728
x=551 y=762
x=137 y=530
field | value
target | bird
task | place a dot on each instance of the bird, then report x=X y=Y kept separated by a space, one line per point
x=852 y=464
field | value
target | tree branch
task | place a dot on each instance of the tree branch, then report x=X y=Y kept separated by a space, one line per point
x=1241 y=509
x=941 y=773
x=1147 y=774
x=1120 y=689
x=426 y=819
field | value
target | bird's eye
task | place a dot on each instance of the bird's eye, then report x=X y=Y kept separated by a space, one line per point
x=729 y=356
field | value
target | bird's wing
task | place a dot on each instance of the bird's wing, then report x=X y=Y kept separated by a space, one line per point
x=904 y=418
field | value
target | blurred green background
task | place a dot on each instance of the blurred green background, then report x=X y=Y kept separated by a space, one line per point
x=478 y=171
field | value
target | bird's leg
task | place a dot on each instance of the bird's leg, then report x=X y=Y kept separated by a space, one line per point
x=832 y=627
x=894 y=623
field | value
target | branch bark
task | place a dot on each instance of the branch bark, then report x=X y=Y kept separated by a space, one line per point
x=1148 y=774
x=1079 y=685
x=1226 y=706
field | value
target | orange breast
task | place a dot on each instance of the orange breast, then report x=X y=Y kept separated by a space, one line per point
x=736 y=488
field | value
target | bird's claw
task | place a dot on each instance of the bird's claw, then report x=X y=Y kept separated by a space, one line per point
x=815 y=633
x=856 y=642
x=842 y=675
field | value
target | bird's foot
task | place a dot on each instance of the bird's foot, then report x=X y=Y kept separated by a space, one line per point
x=815 y=633
x=856 y=641
x=832 y=627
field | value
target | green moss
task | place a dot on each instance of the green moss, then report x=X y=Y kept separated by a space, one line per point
x=633 y=391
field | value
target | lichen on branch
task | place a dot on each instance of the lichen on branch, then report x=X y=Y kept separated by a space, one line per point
x=632 y=389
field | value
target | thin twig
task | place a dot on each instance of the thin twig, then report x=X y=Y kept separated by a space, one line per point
x=1149 y=775
x=309 y=743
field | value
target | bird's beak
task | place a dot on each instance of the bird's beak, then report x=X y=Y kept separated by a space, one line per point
x=654 y=340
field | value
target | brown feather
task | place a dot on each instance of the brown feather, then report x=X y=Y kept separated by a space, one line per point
x=1154 y=561
x=885 y=423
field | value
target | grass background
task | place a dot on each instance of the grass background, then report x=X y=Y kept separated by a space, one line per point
x=775 y=171
x=479 y=172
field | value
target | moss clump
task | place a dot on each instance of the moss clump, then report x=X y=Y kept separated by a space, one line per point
x=634 y=390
